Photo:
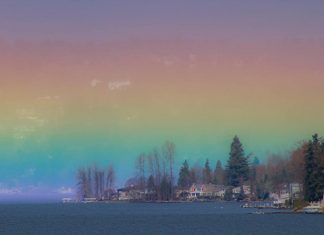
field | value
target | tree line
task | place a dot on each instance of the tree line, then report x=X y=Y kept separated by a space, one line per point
x=155 y=172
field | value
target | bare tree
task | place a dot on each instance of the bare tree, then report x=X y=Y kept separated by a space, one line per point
x=96 y=182
x=157 y=176
x=296 y=165
x=101 y=175
x=151 y=165
x=82 y=183
x=140 y=170
x=89 y=182
x=110 y=182
x=168 y=150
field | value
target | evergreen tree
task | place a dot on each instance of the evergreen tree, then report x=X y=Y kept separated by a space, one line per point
x=207 y=173
x=309 y=186
x=237 y=169
x=314 y=170
x=319 y=168
x=184 y=176
x=218 y=173
x=321 y=171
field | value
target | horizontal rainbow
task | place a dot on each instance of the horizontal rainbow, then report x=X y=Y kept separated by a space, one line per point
x=66 y=104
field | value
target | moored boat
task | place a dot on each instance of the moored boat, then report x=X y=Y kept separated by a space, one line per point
x=312 y=209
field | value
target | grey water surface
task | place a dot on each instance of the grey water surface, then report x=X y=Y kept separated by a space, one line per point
x=152 y=218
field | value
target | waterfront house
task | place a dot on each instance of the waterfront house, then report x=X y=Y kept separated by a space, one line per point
x=220 y=191
x=131 y=193
x=286 y=192
x=284 y=196
x=123 y=194
x=110 y=194
x=295 y=190
x=236 y=190
x=206 y=191
x=196 y=190
x=209 y=190
x=246 y=190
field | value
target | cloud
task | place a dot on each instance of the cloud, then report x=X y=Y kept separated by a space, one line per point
x=31 y=122
x=168 y=60
x=65 y=190
x=192 y=60
x=192 y=57
x=94 y=83
x=48 y=97
x=29 y=172
x=131 y=117
x=32 y=117
x=38 y=121
x=20 y=133
x=22 y=113
x=9 y=191
x=115 y=85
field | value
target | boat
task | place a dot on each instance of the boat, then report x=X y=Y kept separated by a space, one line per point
x=312 y=209
x=89 y=200
x=68 y=200
x=258 y=213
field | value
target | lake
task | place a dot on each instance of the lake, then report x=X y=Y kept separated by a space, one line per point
x=153 y=219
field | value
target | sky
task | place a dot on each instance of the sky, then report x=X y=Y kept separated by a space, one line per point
x=99 y=82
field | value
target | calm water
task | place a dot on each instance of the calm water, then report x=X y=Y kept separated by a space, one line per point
x=153 y=219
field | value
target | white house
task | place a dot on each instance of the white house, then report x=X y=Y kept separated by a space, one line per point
x=295 y=190
x=246 y=190
x=206 y=190
x=196 y=190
